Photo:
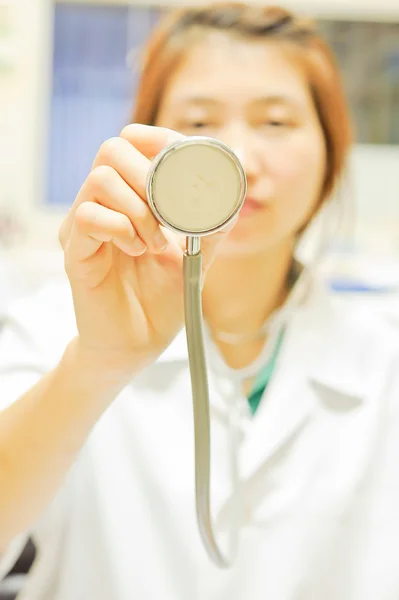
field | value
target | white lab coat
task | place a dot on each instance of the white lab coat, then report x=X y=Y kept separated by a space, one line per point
x=319 y=462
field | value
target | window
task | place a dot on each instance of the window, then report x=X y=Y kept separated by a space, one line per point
x=93 y=86
x=368 y=54
x=94 y=82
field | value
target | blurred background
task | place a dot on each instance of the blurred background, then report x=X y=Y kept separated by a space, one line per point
x=68 y=74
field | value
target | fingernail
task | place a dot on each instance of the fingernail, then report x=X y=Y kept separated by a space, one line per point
x=138 y=246
x=160 y=241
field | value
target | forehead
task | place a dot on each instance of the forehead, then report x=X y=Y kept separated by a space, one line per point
x=229 y=69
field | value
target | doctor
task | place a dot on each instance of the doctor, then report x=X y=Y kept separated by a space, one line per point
x=96 y=435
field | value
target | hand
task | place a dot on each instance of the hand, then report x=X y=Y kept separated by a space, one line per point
x=125 y=270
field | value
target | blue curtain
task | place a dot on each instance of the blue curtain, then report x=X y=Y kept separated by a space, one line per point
x=93 y=88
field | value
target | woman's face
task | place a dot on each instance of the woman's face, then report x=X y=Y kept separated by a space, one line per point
x=254 y=98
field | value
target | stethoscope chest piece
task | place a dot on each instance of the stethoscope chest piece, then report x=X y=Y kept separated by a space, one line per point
x=196 y=186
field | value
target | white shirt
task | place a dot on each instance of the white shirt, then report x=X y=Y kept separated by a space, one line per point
x=319 y=465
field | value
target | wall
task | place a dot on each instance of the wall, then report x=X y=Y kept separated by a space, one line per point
x=375 y=187
x=367 y=9
x=24 y=106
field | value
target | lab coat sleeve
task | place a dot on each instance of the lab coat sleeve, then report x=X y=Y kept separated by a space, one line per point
x=19 y=370
x=32 y=340
x=11 y=554
x=33 y=336
x=21 y=365
x=378 y=548
x=387 y=466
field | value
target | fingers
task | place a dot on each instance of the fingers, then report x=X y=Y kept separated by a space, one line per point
x=150 y=140
x=95 y=224
x=129 y=154
x=104 y=186
x=127 y=161
x=117 y=183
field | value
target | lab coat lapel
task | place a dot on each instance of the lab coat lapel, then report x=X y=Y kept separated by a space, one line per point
x=321 y=353
x=283 y=412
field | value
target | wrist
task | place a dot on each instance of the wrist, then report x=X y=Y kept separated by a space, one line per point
x=99 y=370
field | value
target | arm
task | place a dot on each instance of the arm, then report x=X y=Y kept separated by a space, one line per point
x=125 y=273
x=42 y=432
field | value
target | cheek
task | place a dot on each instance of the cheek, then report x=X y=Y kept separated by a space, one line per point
x=301 y=160
x=298 y=172
x=295 y=172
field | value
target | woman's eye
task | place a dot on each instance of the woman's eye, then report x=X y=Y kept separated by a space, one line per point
x=275 y=123
x=199 y=125
x=189 y=127
x=276 y=126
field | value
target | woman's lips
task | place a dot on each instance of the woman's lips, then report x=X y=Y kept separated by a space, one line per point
x=250 y=207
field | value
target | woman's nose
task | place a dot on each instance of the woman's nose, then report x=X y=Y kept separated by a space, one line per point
x=245 y=145
x=248 y=161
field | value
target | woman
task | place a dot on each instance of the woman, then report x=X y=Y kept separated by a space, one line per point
x=97 y=455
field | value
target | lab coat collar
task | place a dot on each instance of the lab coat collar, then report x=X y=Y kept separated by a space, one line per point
x=325 y=362
x=177 y=349
x=321 y=341
x=331 y=344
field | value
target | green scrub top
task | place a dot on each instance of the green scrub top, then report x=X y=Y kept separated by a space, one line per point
x=264 y=376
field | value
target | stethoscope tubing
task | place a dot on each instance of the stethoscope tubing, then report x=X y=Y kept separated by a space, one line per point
x=192 y=270
x=192 y=274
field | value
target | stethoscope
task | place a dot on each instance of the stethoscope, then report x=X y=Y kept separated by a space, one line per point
x=196 y=187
